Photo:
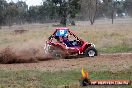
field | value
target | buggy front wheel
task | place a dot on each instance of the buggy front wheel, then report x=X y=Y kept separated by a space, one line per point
x=91 y=52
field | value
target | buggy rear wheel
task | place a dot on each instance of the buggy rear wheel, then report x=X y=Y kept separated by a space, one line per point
x=57 y=52
x=91 y=52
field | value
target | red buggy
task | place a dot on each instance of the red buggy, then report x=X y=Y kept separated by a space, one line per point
x=63 y=43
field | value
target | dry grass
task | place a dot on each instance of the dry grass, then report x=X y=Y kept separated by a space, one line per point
x=103 y=34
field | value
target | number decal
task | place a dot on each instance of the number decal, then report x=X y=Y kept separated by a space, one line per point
x=61 y=32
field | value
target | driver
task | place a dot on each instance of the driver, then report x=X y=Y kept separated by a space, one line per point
x=67 y=42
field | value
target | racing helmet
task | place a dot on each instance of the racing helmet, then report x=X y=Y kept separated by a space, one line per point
x=66 y=36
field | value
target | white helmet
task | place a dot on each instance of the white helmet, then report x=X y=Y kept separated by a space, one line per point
x=66 y=35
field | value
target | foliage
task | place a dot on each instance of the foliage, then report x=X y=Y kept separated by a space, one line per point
x=3 y=5
x=56 y=10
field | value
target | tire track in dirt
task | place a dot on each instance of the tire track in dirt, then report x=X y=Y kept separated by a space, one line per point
x=110 y=62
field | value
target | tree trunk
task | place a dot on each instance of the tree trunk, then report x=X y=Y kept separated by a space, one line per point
x=112 y=14
x=92 y=8
x=112 y=17
x=63 y=21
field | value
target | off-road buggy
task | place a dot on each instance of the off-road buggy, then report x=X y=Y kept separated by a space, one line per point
x=57 y=47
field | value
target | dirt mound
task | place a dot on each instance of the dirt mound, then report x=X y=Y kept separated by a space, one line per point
x=20 y=31
x=9 y=56
x=112 y=62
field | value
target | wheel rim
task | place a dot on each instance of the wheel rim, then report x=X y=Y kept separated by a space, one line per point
x=91 y=53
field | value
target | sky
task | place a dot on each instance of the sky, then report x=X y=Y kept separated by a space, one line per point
x=29 y=2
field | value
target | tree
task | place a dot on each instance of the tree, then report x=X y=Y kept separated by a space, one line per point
x=22 y=11
x=33 y=14
x=90 y=6
x=3 y=5
x=51 y=9
x=112 y=12
x=11 y=13
x=66 y=8
x=109 y=9
x=92 y=10
x=128 y=7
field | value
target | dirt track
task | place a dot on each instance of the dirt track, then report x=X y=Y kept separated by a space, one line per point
x=111 y=62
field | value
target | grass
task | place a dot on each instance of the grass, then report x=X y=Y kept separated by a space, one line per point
x=39 y=79
x=106 y=37
x=115 y=49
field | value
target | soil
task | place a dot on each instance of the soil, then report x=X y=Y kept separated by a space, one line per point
x=109 y=62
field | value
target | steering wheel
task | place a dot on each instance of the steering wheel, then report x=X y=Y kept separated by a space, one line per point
x=76 y=42
x=79 y=42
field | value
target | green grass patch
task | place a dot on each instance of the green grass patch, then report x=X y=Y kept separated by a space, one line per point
x=116 y=49
x=39 y=79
